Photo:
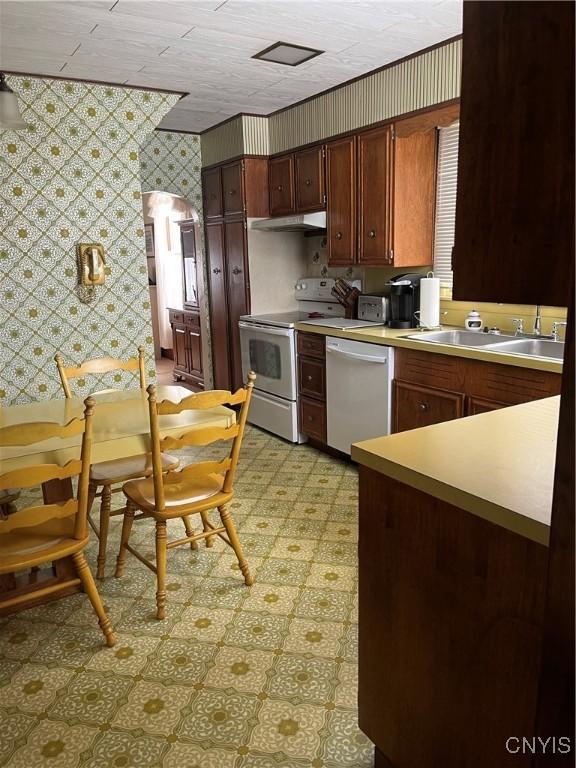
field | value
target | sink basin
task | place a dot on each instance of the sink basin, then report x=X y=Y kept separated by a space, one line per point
x=533 y=347
x=459 y=338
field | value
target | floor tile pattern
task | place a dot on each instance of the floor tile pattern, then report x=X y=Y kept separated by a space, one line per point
x=235 y=677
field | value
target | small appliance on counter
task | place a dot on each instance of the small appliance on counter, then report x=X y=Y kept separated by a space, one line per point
x=374 y=307
x=405 y=300
x=473 y=321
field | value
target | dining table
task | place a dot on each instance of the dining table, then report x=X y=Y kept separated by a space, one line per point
x=120 y=429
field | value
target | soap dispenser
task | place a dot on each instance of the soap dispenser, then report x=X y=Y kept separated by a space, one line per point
x=473 y=321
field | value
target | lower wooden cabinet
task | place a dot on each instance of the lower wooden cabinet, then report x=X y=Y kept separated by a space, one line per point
x=313 y=418
x=419 y=406
x=187 y=347
x=312 y=385
x=430 y=388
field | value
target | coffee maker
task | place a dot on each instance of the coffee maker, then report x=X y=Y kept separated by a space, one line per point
x=404 y=300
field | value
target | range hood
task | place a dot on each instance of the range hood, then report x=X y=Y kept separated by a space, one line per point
x=301 y=222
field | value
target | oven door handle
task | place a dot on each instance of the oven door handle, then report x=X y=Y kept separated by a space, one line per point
x=267 y=328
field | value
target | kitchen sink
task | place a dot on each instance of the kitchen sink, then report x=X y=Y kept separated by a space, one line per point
x=459 y=338
x=533 y=347
x=553 y=350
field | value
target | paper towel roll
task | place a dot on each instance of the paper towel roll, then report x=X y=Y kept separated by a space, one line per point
x=430 y=302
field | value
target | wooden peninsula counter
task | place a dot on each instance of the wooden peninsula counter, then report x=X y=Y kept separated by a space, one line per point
x=454 y=528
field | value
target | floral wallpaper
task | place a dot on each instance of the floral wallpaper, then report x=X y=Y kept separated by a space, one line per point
x=73 y=176
x=172 y=162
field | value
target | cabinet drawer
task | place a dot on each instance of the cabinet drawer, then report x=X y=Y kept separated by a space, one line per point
x=311 y=345
x=192 y=318
x=313 y=418
x=175 y=317
x=509 y=384
x=430 y=369
x=312 y=377
x=417 y=406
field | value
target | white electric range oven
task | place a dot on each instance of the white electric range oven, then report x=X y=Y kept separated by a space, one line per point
x=268 y=344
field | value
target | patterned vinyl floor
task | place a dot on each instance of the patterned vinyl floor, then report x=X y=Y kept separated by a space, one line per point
x=235 y=677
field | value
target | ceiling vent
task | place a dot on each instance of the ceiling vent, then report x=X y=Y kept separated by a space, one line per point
x=287 y=53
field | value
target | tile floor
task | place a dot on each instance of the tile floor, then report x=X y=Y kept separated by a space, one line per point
x=235 y=677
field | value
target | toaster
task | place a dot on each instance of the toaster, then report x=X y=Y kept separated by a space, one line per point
x=373 y=308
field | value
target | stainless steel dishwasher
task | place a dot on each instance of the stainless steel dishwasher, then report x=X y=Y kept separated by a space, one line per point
x=358 y=391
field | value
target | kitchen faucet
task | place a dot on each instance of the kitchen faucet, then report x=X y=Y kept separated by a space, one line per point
x=537 y=330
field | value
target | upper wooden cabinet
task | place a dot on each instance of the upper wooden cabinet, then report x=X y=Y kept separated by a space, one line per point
x=341 y=205
x=388 y=188
x=212 y=188
x=375 y=175
x=281 y=182
x=236 y=189
x=232 y=193
x=309 y=171
x=297 y=182
x=514 y=239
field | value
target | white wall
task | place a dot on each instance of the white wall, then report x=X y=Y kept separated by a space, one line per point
x=276 y=260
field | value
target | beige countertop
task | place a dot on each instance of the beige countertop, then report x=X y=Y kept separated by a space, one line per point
x=394 y=338
x=497 y=465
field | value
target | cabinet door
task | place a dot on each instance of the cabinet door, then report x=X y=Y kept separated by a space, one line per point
x=281 y=181
x=312 y=378
x=238 y=293
x=212 y=188
x=309 y=168
x=232 y=189
x=414 y=198
x=218 y=305
x=313 y=418
x=179 y=344
x=375 y=196
x=341 y=201
x=195 y=352
x=514 y=238
x=417 y=406
x=476 y=405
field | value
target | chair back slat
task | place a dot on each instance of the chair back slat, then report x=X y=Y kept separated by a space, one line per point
x=37 y=431
x=26 y=477
x=202 y=401
x=198 y=470
x=199 y=436
x=39 y=514
x=36 y=516
x=98 y=366
x=203 y=436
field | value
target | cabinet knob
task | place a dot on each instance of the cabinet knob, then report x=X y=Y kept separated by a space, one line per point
x=232 y=192
x=309 y=378
x=372 y=233
x=308 y=182
x=216 y=270
x=236 y=271
x=279 y=187
x=338 y=235
x=423 y=407
x=310 y=418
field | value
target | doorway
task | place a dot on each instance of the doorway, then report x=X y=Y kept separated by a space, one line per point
x=176 y=280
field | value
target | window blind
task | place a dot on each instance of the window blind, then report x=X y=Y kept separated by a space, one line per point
x=446 y=187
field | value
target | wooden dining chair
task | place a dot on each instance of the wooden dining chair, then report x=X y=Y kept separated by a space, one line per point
x=195 y=489
x=107 y=474
x=50 y=532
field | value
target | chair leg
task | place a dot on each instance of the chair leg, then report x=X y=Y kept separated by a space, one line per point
x=209 y=539
x=161 y=569
x=92 y=488
x=126 y=529
x=190 y=531
x=105 y=509
x=228 y=523
x=85 y=575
